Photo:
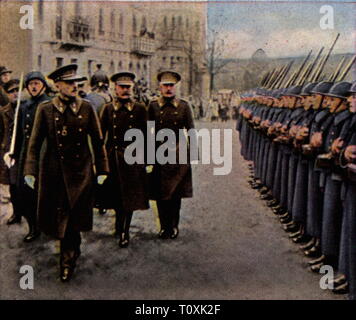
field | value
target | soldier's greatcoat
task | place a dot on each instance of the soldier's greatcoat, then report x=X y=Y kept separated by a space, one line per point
x=171 y=181
x=126 y=186
x=65 y=173
x=7 y=114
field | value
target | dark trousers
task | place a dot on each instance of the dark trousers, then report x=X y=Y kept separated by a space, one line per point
x=169 y=212
x=28 y=198
x=14 y=199
x=123 y=221
x=70 y=247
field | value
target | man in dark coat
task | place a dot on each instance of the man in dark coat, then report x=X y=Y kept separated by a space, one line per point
x=5 y=76
x=98 y=97
x=170 y=182
x=65 y=174
x=7 y=115
x=36 y=86
x=125 y=189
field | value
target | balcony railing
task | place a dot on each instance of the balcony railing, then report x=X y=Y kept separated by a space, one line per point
x=143 y=46
x=78 y=34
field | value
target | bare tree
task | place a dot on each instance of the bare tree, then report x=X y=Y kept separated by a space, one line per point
x=214 y=57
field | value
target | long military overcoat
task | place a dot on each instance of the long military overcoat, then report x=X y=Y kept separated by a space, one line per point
x=170 y=181
x=7 y=114
x=65 y=172
x=126 y=186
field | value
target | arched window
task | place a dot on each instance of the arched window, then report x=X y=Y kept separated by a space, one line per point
x=130 y=65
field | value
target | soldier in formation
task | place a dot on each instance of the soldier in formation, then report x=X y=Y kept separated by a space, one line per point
x=299 y=138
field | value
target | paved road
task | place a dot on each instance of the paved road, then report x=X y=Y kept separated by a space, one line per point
x=230 y=247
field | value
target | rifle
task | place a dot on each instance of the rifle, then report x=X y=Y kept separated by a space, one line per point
x=313 y=64
x=336 y=73
x=347 y=69
x=280 y=84
x=322 y=65
x=13 y=138
x=301 y=67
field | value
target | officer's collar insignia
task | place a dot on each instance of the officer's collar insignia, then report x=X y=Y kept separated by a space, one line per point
x=162 y=102
x=58 y=104
x=61 y=107
x=118 y=104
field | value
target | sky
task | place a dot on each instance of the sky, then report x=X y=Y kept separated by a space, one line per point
x=281 y=29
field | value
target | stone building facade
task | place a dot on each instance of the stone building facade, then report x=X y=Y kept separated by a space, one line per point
x=140 y=37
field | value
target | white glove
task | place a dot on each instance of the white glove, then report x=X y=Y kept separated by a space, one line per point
x=101 y=179
x=149 y=168
x=9 y=161
x=30 y=181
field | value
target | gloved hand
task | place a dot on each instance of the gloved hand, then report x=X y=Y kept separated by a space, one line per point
x=149 y=168
x=30 y=181
x=9 y=161
x=101 y=179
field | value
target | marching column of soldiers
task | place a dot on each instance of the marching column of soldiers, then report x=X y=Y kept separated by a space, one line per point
x=299 y=138
x=62 y=155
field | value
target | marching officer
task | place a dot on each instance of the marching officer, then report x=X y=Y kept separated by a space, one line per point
x=170 y=182
x=65 y=174
x=36 y=86
x=7 y=115
x=125 y=189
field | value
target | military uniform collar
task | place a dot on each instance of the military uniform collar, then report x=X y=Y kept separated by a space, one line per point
x=61 y=106
x=162 y=102
x=9 y=111
x=119 y=104
x=343 y=115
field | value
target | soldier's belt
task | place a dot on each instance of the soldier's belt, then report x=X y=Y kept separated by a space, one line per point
x=324 y=161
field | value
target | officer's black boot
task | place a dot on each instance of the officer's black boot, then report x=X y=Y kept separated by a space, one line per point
x=175 y=219
x=163 y=219
x=119 y=223
x=125 y=234
x=14 y=219
x=33 y=232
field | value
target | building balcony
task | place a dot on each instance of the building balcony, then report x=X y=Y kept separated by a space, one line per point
x=78 y=34
x=143 y=46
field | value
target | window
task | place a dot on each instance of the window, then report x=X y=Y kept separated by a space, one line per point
x=134 y=25
x=112 y=21
x=39 y=61
x=138 y=66
x=187 y=23
x=112 y=67
x=130 y=65
x=59 y=62
x=197 y=26
x=59 y=21
x=74 y=60
x=121 y=23
x=165 y=22
x=101 y=21
x=77 y=8
x=40 y=10
x=173 y=22
x=90 y=65
x=119 y=65
x=144 y=23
